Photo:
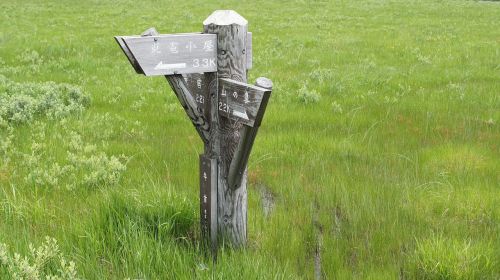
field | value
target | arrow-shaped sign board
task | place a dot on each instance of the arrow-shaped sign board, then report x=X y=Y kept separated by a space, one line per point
x=242 y=102
x=171 y=54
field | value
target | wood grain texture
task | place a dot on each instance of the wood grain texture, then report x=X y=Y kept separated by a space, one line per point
x=205 y=198
x=241 y=102
x=199 y=86
x=208 y=201
x=248 y=133
x=231 y=30
x=249 y=51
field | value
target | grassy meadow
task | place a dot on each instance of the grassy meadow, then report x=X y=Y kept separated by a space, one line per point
x=378 y=156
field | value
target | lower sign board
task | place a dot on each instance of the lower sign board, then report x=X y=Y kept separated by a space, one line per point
x=208 y=198
x=242 y=102
x=172 y=53
x=199 y=87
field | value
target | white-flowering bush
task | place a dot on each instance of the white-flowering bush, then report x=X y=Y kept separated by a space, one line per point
x=43 y=263
x=22 y=102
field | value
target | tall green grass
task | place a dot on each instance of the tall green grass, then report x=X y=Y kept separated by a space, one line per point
x=378 y=156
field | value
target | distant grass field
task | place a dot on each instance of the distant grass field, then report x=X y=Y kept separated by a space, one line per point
x=378 y=157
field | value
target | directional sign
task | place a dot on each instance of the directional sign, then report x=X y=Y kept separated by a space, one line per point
x=199 y=86
x=171 y=54
x=192 y=64
x=242 y=102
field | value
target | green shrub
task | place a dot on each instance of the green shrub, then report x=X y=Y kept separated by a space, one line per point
x=84 y=165
x=23 y=102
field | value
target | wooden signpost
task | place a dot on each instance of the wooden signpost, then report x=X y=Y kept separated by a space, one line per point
x=208 y=74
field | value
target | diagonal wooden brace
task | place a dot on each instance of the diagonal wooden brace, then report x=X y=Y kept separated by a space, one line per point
x=247 y=137
x=190 y=106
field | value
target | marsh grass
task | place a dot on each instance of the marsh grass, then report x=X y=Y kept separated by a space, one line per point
x=444 y=258
x=379 y=147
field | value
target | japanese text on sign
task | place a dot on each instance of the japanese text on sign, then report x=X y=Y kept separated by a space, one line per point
x=174 y=54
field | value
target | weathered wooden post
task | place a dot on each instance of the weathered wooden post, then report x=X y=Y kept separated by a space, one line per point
x=208 y=74
x=231 y=31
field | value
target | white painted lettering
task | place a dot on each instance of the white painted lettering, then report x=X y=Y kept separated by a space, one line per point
x=208 y=46
x=246 y=97
x=223 y=107
x=212 y=62
x=173 y=47
x=200 y=99
x=196 y=63
x=205 y=62
x=155 y=48
x=190 y=46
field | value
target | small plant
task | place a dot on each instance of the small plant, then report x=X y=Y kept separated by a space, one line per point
x=171 y=107
x=95 y=167
x=321 y=75
x=43 y=263
x=490 y=122
x=336 y=108
x=99 y=169
x=32 y=59
x=6 y=148
x=308 y=96
x=139 y=103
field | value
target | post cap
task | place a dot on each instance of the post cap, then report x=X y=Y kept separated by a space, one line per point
x=225 y=17
x=264 y=82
